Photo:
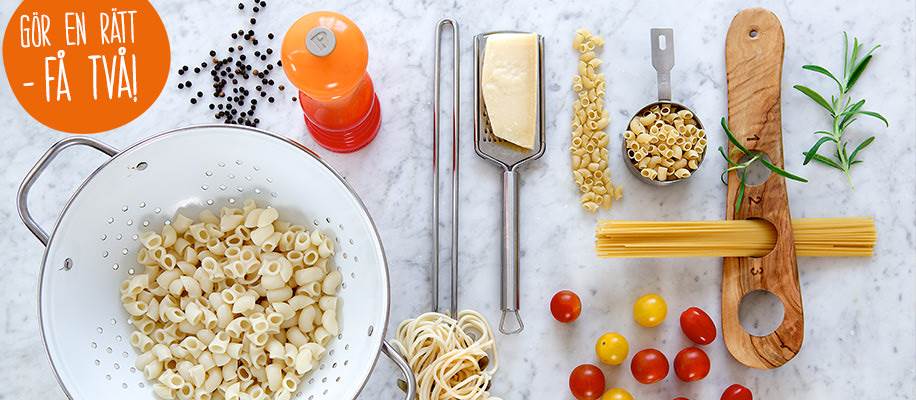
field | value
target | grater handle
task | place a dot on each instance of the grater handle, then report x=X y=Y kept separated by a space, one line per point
x=510 y=273
x=22 y=197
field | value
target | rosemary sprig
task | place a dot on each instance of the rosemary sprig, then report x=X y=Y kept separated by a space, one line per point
x=741 y=168
x=842 y=109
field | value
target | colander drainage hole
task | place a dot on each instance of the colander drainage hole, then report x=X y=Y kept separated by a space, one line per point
x=371 y=329
x=141 y=166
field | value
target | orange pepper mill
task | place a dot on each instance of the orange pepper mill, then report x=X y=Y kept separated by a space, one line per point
x=325 y=56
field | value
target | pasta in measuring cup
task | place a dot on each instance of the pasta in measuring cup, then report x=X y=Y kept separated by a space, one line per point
x=238 y=305
x=665 y=143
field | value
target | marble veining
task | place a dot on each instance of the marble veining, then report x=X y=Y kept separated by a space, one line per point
x=860 y=313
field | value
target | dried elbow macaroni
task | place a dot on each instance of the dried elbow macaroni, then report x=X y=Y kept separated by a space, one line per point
x=235 y=306
x=590 y=119
x=665 y=143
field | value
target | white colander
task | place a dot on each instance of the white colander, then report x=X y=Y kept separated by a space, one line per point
x=93 y=248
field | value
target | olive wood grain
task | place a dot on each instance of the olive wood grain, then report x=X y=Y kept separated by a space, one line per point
x=753 y=58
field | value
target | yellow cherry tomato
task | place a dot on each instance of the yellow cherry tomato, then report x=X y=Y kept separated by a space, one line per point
x=612 y=348
x=617 y=394
x=650 y=310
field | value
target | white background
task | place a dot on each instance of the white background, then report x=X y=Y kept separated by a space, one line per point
x=860 y=315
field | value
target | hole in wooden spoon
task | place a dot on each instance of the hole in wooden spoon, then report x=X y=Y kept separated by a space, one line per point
x=757 y=173
x=760 y=312
x=753 y=34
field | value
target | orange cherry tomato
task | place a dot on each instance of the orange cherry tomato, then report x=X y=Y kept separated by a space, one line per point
x=565 y=306
x=691 y=364
x=737 y=392
x=697 y=325
x=586 y=382
x=649 y=366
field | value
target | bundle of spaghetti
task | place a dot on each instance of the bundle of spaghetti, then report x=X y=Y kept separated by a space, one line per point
x=452 y=359
x=817 y=237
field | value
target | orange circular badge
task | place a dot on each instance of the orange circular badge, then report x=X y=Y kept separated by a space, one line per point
x=86 y=66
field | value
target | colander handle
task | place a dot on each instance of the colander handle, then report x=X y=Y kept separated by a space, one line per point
x=401 y=362
x=22 y=197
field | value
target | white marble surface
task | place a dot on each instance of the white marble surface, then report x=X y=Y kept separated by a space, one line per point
x=860 y=331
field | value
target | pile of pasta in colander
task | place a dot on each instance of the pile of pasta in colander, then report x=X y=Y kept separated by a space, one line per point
x=235 y=306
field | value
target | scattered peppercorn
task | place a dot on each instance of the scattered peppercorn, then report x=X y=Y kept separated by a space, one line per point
x=230 y=76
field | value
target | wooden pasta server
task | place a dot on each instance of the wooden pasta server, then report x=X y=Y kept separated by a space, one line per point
x=754 y=49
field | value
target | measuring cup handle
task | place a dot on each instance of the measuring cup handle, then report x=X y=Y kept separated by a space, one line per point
x=22 y=196
x=401 y=362
x=663 y=59
x=510 y=281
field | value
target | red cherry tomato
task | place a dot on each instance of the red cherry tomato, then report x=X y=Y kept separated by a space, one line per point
x=649 y=366
x=681 y=398
x=565 y=306
x=691 y=364
x=697 y=325
x=586 y=382
x=737 y=392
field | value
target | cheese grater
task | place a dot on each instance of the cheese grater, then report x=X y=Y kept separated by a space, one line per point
x=510 y=158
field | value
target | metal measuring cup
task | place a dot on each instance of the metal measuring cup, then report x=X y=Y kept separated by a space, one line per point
x=662 y=41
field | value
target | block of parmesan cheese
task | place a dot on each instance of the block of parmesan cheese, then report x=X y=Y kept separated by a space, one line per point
x=509 y=85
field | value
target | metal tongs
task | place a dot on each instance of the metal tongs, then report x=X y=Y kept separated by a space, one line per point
x=456 y=101
x=510 y=158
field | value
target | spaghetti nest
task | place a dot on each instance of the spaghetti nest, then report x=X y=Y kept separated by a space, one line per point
x=452 y=359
